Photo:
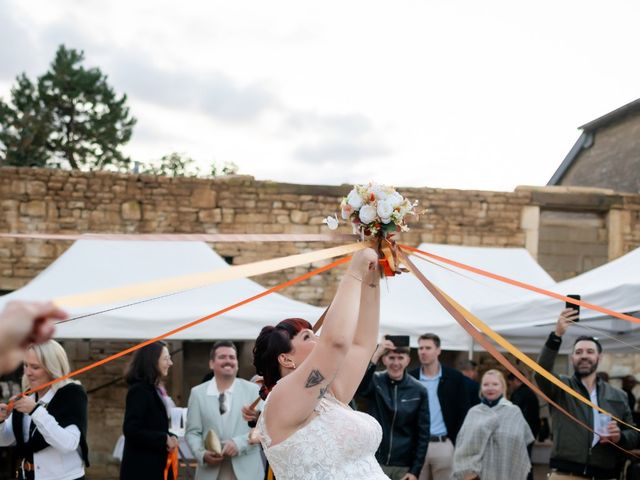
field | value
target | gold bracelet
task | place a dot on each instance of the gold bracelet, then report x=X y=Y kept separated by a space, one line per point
x=372 y=285
x=354 y=276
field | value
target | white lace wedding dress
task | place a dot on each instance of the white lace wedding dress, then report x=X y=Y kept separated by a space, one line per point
x=338 y=444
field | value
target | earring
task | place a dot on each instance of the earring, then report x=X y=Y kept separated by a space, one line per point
x=294 y=365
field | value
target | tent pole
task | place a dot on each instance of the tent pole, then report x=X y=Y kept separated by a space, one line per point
x=471 y=346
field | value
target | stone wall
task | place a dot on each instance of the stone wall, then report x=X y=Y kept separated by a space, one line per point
x=54 y=201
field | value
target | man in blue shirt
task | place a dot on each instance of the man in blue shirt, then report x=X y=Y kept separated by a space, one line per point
x=448 y=405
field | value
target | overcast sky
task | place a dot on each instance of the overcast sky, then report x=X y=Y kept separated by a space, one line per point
x=453 y=94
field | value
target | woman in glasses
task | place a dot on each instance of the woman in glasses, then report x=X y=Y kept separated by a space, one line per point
x=49 y=426
x=147 y=440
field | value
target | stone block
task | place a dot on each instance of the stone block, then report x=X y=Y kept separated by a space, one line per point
x=131 y=210
x=210 y=216
x=36 y=189
x=203 y=197
x=298 y=216
x=34 y=208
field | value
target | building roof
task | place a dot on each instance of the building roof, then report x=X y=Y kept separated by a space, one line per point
x=586 y=137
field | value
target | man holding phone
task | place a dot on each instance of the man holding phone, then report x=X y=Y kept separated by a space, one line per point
x=577 y=452
x=401 y=406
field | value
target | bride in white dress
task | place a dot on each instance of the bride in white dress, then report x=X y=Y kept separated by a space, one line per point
x=307 y=429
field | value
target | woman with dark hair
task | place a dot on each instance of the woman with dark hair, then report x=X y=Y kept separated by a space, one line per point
x=147 y=440
x=307 y=429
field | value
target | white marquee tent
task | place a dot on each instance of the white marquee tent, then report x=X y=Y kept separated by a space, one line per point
x=408 y=309
x=94 y=264
x=615 y=285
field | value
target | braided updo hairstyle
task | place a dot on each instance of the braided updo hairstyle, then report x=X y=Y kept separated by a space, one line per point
x=271 y=342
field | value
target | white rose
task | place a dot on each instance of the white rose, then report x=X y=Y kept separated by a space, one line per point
x=385 y=209
x=354 y=199
x=367 y=214
x=395 y=199
x=332 y=222
x=378 y=191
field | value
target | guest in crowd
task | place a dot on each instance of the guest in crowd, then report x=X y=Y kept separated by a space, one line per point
x=628 y=384
x=469 y=369
x=48 y=427
x=522 y=396
x=401 y=405
x=448 y=405
x=218 y=405
x=147 y=439
x=577 y=452
x=492 y=443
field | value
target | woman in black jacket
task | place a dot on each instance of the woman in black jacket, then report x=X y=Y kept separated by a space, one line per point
x=48 y=427
x=147 y=440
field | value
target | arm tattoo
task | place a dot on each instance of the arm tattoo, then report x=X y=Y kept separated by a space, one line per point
x=315 y=378
x=323 y=392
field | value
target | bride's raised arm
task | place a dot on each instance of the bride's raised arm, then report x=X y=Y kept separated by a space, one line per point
x=313 y=363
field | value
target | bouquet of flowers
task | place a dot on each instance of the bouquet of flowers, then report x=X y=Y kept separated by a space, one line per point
x=374 y=211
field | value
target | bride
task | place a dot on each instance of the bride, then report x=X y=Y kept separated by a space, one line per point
x=306 y=428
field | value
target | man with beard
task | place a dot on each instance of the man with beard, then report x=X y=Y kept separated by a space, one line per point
x=577 y=452
x=217 y=405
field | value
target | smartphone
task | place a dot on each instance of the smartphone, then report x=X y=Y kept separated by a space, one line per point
x=575 y=307
x=398 y=340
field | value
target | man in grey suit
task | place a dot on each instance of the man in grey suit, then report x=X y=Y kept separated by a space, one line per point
x=217 y=404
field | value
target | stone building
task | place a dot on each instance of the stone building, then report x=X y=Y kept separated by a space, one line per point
x=569 y=229
x=607 y=154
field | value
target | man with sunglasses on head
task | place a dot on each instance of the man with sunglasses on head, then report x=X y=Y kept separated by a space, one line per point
x=577 y=452
x=217 y=405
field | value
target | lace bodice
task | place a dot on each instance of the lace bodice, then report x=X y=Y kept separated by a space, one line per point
x=338 y=444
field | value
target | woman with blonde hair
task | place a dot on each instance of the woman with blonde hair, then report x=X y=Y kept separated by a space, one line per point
x=48 y=427
x=492 y=443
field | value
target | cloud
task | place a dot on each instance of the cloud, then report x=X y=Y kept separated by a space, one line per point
x=211 y=93
x=353 y=124
x=17 y=48
x=338 y=151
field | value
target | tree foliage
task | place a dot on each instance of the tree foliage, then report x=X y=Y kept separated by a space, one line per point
x=71 y=118
x=180 y=165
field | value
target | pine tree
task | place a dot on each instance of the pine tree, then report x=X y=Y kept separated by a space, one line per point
x=25 y=127
x=73 y=117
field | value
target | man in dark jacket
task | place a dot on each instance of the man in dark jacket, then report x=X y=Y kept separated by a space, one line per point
x=577 y=452
x=401 y=406
x=448 y=405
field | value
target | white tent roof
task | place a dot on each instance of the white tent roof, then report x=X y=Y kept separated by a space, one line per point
x=94 y=264
x=615 y=285
x=409 y=309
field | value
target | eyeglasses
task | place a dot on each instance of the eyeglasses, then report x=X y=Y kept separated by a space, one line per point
x=222 y=403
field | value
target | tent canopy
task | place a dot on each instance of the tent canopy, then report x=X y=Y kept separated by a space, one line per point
x=615 y=285
x=98 y=264
x=408 y=309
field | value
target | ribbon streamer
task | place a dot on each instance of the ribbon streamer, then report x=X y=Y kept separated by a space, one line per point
x=192 y=237
x=462 y=316
x=185 y=282
x=526 y=286
x=140 y=345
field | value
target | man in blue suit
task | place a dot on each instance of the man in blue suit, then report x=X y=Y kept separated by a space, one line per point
x=217 y=405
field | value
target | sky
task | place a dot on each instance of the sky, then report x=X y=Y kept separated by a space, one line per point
x=433 y=93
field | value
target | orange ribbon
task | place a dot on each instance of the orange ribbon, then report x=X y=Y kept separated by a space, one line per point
x=525 y=286
x=460 y=315
x=172 y=464
x=140 y=345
